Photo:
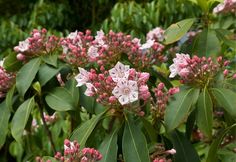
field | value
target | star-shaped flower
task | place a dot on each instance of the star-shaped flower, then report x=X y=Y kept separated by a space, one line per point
x=120 y=71
x=82 y=78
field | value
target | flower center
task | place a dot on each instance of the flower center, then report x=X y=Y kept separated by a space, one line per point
x=126 y=91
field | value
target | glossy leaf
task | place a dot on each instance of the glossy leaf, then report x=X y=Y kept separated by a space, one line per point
x=225 y=98
x=60 y=99
x=212 y=153
x=20 y=118
x=134 y=144
x=11 y=63
x=4 y=118
x=179 y=108
x=87 y=102
x=205 y=113
x=82 y=133
x=50 y=59
x=46 y=73
x=73 y=90
x=185 y=151
x=176 y=31
x=9 y=97
x=109 y=147
x=26 y=75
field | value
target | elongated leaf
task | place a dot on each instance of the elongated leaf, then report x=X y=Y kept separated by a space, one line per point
x=26 y=75
x=109 y=147
x=179 y=108
x=185 y=151
x=212 y=153
x=50 y=59
x=176 y=31
x=87 y=102
x=226 y=98
x=134 y=144
x=11 y=63
x=82 y=133
x=60 y=99
x=205 y=113
x=73 y=90
x=20 y=118
x=46 y=73
x=4 y=118
x=9 y=97
x=207 y=43
x=152 y=134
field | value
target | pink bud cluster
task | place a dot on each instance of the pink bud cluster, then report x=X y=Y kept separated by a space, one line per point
x=162 y=97
x=35 y=45
x=197 y=71
x=73 y=153
x=115 y=87
x=162 y=155
x=79 y=49
x=6 y=81
x=225 y=7
x=156 y=34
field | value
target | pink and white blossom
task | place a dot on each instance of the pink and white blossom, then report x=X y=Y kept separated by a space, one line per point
x=226 y=6
x=126 y=91
x=90 y=89
x=82 y=78
x=93 y=52
x=147 y=45
x=156 y=34
x=179 y=64
x=120 y=71
x=23 y=46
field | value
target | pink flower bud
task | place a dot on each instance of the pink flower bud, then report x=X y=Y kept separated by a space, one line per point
x=234 y=76
x=226 y=63
x=160 y=86
x=20 y=57
x=112 y=99
x=172 y=151
x=226 y=72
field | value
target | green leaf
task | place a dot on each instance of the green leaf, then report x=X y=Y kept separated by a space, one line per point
x=9 y=97
x=60 y=99
x=46 y=73
x=203 y=4
x=4 y=118
x=176 y=31
x=82 y=133
x=87 y=102
x=26 y=75
x=185 y=151
x=212 y=153
x=179 y=108
x=134 y=145
x=227 y=37
x=50 y=59
x=20 y=118
x=73 y=90
x=11 y=63
x=225 y=98
x=47 y=158
x=205 y=113
x=109 y=147
x=151 y=132
x=207 y=43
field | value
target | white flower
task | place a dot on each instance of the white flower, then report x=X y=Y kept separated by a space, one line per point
x=99 y=38
x=93 y=52
x=71 y=146
x=90 y=89
x=82 y=78
x=126 y=91
x=147 y=45
x=179 y=64
x=72 y=35
x=156 y=33
x=120 y=71
x=23 y=45
x=65 y=49
x=136 y=41
x=2 y=62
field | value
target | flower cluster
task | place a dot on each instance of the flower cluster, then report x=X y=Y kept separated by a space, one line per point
x=80 y=49
x=156 y=34
x=226 y=6
x=162 y=97
x=73 y=153
x=197 y=71
x=6 y=80
x=119 y=84
x=37 y=44
x=161 y=155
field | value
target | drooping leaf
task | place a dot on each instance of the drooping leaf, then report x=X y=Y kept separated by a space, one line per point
x=50 y=59
x=205 y=113
x=207 y=44
x=185 y=151
x=179 y=107
x=82 y=133
x=26 y=75
x=4 y=118
x=212 y=153
x=60 y=99
x=225 y=98
x=20 y=118
x=109 y=147
x=46 y=73
x=134 y=144
x=176 y=31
